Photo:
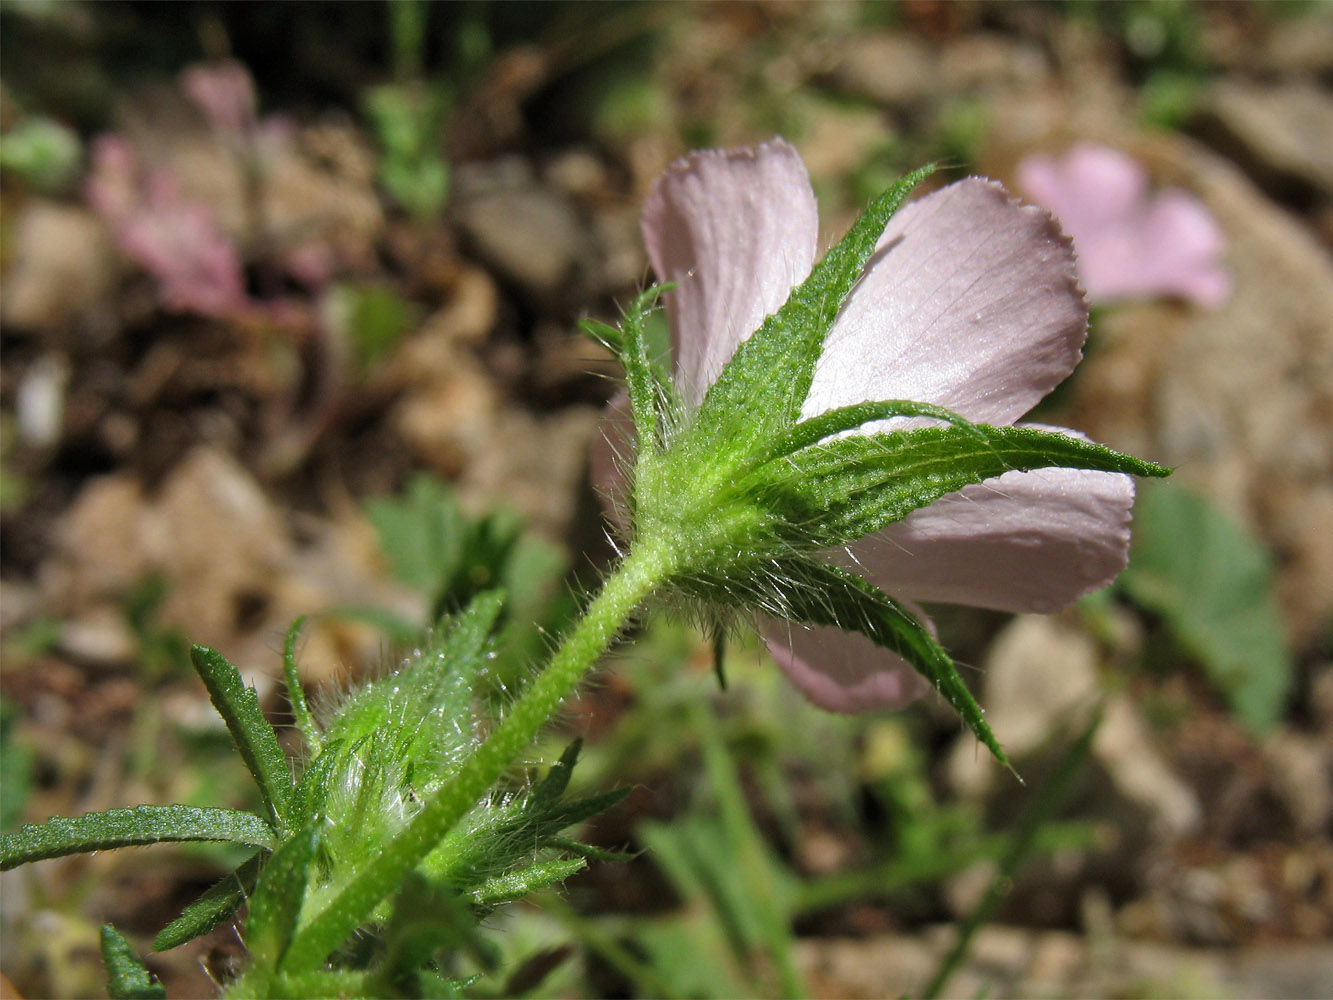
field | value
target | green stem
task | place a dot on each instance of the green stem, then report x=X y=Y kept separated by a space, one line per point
x=1043 y=806
x=642 y=571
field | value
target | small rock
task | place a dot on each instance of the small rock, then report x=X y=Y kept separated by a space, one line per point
x=211 y=532
x=1301 y=46
x=985 y=62
x=534 y=464
x=1123 y=748
x=39 y=400
x=898 y=70
x=1038 y=675
x=100 y=635
x=1040 y=684
x=62 y=266
x=839 y=139
x=97 y=554
x=577 y=172
x=531 y=234
x=1282 y=132
x=1302 y=770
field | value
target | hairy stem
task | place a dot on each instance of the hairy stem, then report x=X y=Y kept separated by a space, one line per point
x=642 y=571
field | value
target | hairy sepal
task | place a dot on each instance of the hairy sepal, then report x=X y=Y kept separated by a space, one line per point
x=761 y=390
x=827 y=595
x=651 y=395
x=843 y=489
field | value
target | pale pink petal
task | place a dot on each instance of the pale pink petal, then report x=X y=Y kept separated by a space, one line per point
x=1187 y=244
x=736 y=231
x=842 y=671
x=1023 y=542
x=1129 y=245
x=970 y=302
x=1090 y=188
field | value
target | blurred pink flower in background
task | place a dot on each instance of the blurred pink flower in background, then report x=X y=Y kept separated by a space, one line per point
x=225 y=92
x=1130 y=244
x=969 y=302
x=174 y=238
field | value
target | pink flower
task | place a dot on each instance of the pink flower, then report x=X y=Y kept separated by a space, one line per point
x=969 y=302
x=1130 y=245
x=173 y=238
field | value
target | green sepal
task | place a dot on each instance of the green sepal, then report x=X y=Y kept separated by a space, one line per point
x=547 y=794
x=844 y=489
x=610 y=337
x=587 y=851
x=217 y=903
x=649 y=393
x=253 y=734
x=313 y=789
x=428 y=917
x=827 y=595
x=127 y=978
x=442 y=678
x=849 y=418
x=275 y=907
x=515 y=885
x=467 y=855
x=101 y=831
x=762 y=388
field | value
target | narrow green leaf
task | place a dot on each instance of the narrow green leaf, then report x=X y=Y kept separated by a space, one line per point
x=127 y=977
x=217 y=903
x=831 y=596
x=573 y=811
x=769 y=377
x=253 y=734
x=852 y=486
x=275 y=907
x=469 y=852
x=101 y=831
x=295 y=692
x=515 y=885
